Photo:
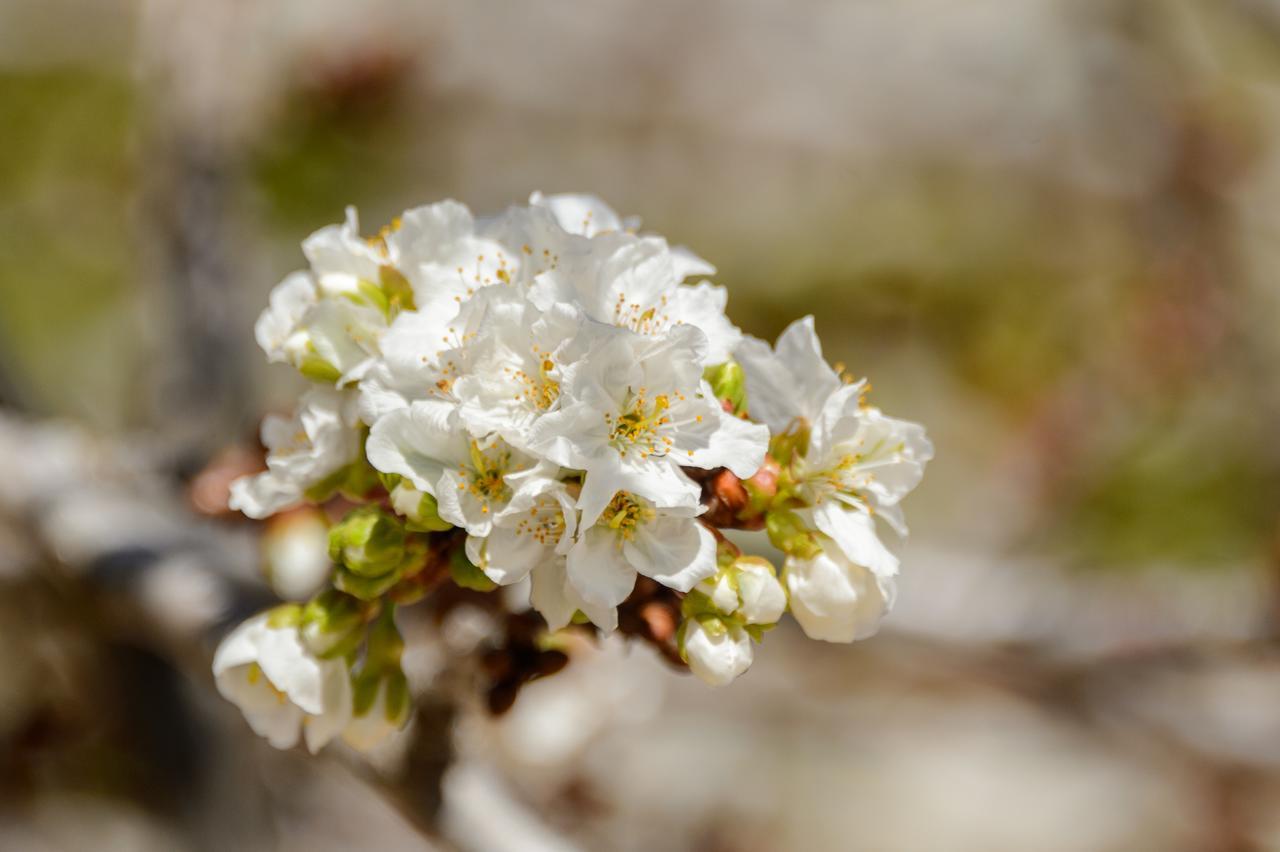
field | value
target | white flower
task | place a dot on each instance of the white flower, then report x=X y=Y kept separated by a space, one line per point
x=327 y=321
x=635 y=284
x=861 y=460
x=437 y=249
x=834 y=598
x=535 y=527
x=717 y=651
x=747 y=589
x=587 y=215
x=636 y=410
x=791 y=380
x=468 y=477
x=858 y=465
x=513 y=361
x=321 y=439
x=632 y=536
x=284 y=690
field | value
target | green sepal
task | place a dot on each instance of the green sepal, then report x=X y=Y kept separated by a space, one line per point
x=793 y=442
x=284 y=615
x=467 y=575
x=368 y=542
x=331 y=622
x=728 y=383
x=398 y=290
x=788 y=533
x=364 y=588
x=426 y=517
x=318 y=369
x=372 y=295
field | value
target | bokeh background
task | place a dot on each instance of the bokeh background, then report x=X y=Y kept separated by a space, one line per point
x=1048 y=229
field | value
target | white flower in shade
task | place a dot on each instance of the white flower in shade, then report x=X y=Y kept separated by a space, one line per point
x=584 y=214
x=834 y=598
x=635 y=411
x=284 y=691
x=322 y=438
x=717 y=651
x=469 y=478
x=632 y=536
x=857 y=465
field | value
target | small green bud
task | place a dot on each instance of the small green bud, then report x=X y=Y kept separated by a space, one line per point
x=467 y=575
x=368 y=542
x=419 y=509
x=728 y=383
x=788 y=533
x=331 y=623
x=285 y=615
x=793 y=442
x=364 y=588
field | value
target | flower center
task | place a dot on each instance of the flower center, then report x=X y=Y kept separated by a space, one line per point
x=648 y=321
x=545 y=523
x=639 y=426
x=484 y=479
x=625 y=514
x=254 y=675
x=539 y=390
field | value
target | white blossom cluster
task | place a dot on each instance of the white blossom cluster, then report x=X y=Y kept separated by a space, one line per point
x=541 y=384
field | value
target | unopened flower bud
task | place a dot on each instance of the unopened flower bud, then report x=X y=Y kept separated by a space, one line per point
x=762 y=599
x=419 y=509
x=331 y=623
x=295 y=548
x=716 y=651
x=835 y=599
x=368 y=542
x=728 y=384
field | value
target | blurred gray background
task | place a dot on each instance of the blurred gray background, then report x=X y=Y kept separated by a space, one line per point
x=1047 y=229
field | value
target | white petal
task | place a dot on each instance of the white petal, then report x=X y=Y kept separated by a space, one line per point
x=506 y=556
x=597 y=569
x=677 y=552
x=854 y=531
x=580 y=214
x=418 y=442
x=764 y=600
x=791 y=381
x=833 y=599
x=717 y=660
x=703 y=306
x=737 y=444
